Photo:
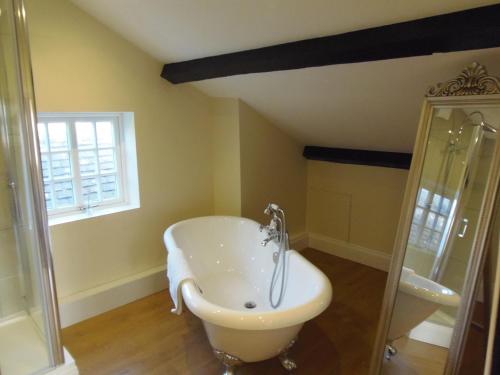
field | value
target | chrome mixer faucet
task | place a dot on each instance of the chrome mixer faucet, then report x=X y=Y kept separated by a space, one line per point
x=276 y=230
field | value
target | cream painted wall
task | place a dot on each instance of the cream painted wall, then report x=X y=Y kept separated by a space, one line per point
x=354 y=203
x=255 y=163
x=272 y=170
x=226 y=152
x=81 y=66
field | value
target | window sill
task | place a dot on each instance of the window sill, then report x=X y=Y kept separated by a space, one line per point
x=89 y=215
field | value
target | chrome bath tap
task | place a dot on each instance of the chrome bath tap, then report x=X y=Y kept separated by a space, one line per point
x=273 y=233
x=276 y=230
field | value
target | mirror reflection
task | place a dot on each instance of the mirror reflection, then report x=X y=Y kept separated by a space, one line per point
x=457 y=165
x=477 y=357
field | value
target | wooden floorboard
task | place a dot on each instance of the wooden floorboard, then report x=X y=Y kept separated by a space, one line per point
x=143 y=337
x=416 y=358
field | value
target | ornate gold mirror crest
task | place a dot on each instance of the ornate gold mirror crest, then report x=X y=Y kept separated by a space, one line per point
x=474 y=80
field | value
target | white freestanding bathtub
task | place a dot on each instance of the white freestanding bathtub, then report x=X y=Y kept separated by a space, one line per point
x=231 y=268
x=416 y=300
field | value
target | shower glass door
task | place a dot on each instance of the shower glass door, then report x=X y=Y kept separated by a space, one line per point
x=29 y=322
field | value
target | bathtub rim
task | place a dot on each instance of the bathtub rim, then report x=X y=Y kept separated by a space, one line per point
x=429 y=290
x=252 y=320
x=258 y=320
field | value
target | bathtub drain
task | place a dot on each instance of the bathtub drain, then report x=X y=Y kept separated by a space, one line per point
x=250 y=305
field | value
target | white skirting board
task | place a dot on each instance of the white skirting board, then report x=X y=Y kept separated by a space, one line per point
x=89 y=303
x=299 y=241
x=66 y=369
x=69 y=367
x=359 y=254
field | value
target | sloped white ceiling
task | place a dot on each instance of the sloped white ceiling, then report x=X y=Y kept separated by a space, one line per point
x=372 y=105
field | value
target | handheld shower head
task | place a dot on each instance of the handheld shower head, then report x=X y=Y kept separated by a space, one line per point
x=487 y=127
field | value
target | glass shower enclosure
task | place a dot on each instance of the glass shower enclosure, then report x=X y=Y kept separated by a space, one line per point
x=29 y=321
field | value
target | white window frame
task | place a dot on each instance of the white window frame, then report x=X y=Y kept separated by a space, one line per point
x=427 y=209
x=126 y=166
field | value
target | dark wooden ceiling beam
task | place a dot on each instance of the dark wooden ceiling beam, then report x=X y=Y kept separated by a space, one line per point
x=470 y=29
x=360 y=157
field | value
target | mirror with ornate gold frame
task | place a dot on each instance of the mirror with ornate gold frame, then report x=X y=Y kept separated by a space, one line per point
x=436 y=281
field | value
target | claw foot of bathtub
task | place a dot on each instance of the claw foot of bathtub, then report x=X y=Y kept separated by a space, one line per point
x=288 y=363
x=390 y=351
x=229 y=370
x=229 y=361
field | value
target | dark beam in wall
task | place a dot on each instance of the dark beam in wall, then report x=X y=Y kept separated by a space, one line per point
x=470 y=29
x=361 y=157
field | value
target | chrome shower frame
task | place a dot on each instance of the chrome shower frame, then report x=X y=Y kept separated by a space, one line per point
x=28 y=126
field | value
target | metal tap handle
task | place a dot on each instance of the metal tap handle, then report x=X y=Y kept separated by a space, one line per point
x=465 y=224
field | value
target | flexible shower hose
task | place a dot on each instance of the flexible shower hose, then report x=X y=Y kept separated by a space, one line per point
x=281 y=259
